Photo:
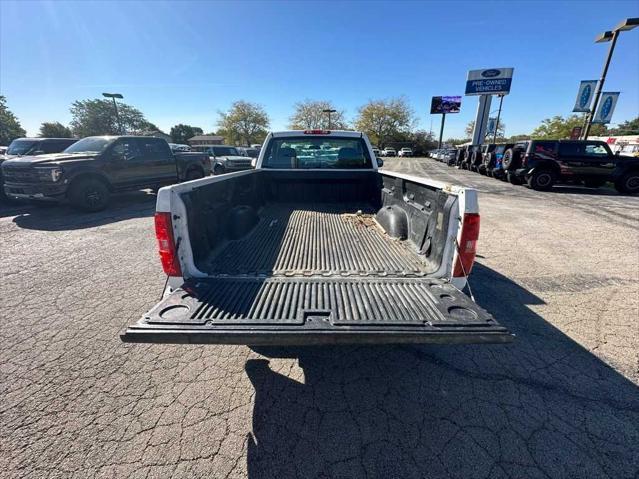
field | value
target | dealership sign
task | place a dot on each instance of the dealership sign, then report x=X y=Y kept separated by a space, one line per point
x=606 y=107
x=585 y=95
x=492 y=81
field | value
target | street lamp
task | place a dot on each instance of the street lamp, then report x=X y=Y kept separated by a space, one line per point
x=113 y=96
x=329 y=111
x=608 y=36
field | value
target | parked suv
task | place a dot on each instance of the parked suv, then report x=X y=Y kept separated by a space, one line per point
x=88 y=171
x=491 y=161
x=31 y=147
x=226 y=159
x=405 y=152
x=542 y=163
x=389 y=152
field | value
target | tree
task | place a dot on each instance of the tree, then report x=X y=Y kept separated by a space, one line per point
x=181 y=133
x=245 y=122
x=10 y=127
x=629 y=127
x=55 y=129
x=97 y=117
x=423 y=141
x=383 y=120
x=558 y=127
x=309 y=115
x=501 y=129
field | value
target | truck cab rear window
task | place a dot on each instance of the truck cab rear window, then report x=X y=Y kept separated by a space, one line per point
x=316 y=152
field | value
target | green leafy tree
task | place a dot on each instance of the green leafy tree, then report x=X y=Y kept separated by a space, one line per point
x=384 y=120
x=501 y=129
x=244 y=123
x=55 y=129
x=629 y=127
x=10 y=128
x=97 y=117
x=422 y=141
x=181 y=133
x=558 y=127
x=309 y=114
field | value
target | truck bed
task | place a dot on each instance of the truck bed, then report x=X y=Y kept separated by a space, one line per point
x=333 y=240
x=294 y=260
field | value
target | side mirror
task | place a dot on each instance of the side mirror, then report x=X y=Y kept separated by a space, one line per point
x=617 y=153
x=380 y=162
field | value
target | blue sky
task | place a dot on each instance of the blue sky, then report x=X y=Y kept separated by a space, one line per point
x=182 y=62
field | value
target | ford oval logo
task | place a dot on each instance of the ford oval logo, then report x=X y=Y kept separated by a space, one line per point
x=490 y=73
x=585 y=96
x=606 y=108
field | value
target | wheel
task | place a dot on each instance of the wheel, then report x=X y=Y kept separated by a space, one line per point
x=194 y=174
x=489 y=172
x=89 y=194
x=513 y=179
x=594 y=182
x=511 y=159
x=218 y=170
x=628 y=183
x=541 y=180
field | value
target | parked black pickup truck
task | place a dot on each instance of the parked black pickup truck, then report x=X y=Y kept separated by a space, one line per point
x=542 y=163
x=90 y=170
x=32 y=147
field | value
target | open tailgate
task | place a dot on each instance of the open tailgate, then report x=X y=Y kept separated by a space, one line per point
x=312 y=310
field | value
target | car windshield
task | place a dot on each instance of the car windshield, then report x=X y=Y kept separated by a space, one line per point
x=20 y=147
x=92 y=144
x=224 y=151
x=317 y=152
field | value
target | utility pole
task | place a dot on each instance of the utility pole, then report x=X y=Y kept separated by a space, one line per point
x=441 y=131
x=625 y=25
x=113 y=96
x=501 y=99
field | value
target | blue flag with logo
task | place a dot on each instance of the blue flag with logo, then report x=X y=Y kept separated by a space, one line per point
x=585 y=95
x=606 y=107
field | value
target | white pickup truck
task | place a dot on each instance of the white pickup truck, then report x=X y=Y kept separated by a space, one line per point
x=316 y=246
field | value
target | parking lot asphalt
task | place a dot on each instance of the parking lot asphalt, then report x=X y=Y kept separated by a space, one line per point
x=560 y=269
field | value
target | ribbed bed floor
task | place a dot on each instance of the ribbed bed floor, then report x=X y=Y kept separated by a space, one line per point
x=325 y=239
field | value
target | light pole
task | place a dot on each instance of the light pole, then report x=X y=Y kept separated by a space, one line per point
x=329 y=111
x=113 y=96
x=627 y=24
x=501 y=100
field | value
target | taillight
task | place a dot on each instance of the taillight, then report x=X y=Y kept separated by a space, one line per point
x=317 y=132
x=166 y=244
x=467 y=245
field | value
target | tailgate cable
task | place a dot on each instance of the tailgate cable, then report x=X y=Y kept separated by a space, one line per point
x=166 y=281
x=461 y=263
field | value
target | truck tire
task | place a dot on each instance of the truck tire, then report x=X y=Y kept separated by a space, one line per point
x=628 y=183
x=218 y=170
x=512 y=159
x=89 y=194
x=594 y=182
x=541 y=180
x=194 y=174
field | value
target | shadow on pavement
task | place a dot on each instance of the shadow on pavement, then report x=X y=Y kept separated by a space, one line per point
x=54 y=217
x=542 y=406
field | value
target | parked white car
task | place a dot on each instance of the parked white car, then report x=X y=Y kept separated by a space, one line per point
x=405 y=152
x=389 y=152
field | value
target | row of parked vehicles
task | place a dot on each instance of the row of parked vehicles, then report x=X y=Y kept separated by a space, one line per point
x=389 y=151
x=541 y=164
x=86 y=172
